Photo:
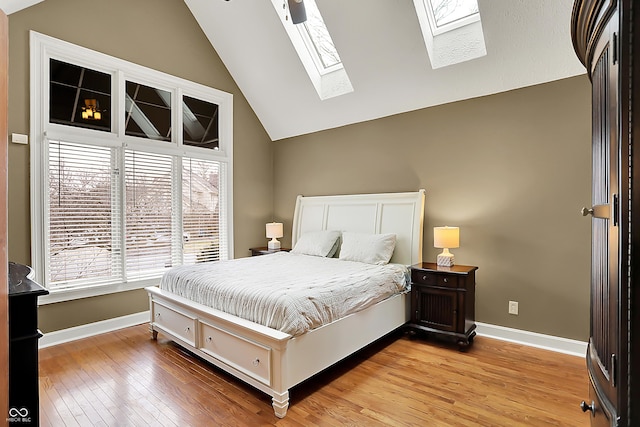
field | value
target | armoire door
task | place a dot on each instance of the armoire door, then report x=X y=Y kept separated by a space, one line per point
x=602 y=354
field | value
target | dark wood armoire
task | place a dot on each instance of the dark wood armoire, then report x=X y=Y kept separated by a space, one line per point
x=606 y=34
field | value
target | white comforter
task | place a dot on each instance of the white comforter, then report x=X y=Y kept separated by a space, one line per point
x=289 y=292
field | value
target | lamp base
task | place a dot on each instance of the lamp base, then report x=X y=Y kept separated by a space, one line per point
x=445 y=259
x=273 y=244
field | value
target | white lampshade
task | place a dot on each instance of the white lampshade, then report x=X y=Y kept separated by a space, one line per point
x=274 y=230
x=446 y=238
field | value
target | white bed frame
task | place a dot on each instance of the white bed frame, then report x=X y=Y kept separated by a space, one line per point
x=271 y=360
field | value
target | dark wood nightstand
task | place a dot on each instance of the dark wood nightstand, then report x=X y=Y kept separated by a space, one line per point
x=443 y=302
x=265 y=250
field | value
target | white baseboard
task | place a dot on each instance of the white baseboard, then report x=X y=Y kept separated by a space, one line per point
x=91 y=329
x=547 y=342
x=532 y=339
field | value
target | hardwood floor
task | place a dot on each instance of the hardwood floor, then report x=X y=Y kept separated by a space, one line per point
x=124 y=378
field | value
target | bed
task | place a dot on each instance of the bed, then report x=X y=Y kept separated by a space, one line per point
x=271 y=359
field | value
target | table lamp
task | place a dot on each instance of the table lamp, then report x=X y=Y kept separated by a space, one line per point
x=274 y=231
x=446 y=238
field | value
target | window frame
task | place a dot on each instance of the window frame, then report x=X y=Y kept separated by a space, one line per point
x=42 y=49
x=436 y=29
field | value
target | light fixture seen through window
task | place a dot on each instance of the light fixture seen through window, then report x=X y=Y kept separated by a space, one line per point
x=91 y=111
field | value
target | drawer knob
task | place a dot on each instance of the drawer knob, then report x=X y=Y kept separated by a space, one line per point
x=187 y=329
x=585 y=407
x=424 y=277
x=256 y=362
x=209 y=339
x=446 y=280
x=157 y=314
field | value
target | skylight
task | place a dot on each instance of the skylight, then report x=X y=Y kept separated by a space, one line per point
x=316 y=50
x=318 y=37
x=452 y=30
x=449 y=11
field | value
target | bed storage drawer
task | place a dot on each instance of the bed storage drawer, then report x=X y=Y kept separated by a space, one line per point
x=247 y=356
x=174 y=322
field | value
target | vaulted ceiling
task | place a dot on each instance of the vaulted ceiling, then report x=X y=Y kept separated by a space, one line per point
x=380 y=43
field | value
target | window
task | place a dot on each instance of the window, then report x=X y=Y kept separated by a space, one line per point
x=200 y=123
x=318 y=40
x=451 y=29
x=117 y=197
x=316 y=50
x=147 y=112
x=74 y=92
x=82 y=219
x=447 y=14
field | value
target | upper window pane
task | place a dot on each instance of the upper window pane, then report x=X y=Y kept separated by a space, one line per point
x=148 y=112
x=200 y=123
x=448 y=11
x=79 y=96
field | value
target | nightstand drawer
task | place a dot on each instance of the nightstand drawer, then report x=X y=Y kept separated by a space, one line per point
x=434 y=279
x=419 y=276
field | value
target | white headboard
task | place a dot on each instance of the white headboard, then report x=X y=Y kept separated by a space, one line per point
x=399 y=213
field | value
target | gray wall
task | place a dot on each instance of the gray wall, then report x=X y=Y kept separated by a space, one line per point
x=159 y=34
x=512 y=170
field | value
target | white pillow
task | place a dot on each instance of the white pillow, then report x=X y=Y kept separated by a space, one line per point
x=370 y=248
x=318 y=243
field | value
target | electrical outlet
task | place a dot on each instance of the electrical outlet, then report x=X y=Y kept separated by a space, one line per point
x=513 y=307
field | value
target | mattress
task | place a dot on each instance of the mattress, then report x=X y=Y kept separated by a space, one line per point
x=289 y=292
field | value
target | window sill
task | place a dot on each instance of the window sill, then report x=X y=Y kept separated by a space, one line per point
x=56 y=296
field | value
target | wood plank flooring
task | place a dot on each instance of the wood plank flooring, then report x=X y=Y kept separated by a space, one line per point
x=124 y=378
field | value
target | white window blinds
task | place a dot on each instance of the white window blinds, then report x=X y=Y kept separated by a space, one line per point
x=201 y=210
x=170 y=218
x=149 y=234
x=83 y=224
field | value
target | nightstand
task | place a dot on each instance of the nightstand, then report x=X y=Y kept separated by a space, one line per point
x=265 y=250
x=443 y=302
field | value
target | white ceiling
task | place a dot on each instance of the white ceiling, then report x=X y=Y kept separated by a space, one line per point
x=11 y=6
x=381 y=46
x=380 y=42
